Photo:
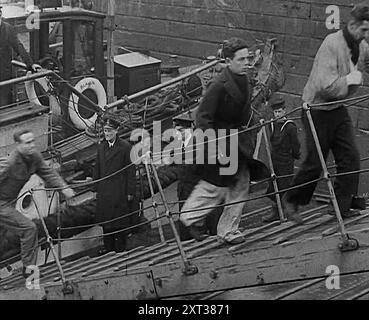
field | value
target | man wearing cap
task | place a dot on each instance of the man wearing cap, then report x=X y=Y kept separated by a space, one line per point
x=285 y=148
x=336 y=74
x=114 y=193
x=189 y=174
x=8 y=42
x=226 y=105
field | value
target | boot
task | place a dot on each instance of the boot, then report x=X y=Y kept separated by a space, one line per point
x=358 y=203
x=197 y=233
x=27 y=273
x=291 y=211
x=232 y=238
x=273 y=216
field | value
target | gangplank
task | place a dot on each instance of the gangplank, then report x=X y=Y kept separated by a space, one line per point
x=273 y=255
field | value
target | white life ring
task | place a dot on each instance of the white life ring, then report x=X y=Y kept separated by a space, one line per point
x=26 y=206
x=85 y=84
x=47 y=86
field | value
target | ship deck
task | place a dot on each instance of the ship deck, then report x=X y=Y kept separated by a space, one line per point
x=277 y=261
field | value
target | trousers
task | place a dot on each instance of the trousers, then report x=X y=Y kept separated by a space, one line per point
x=114 y=242
x=335 y=133
x=282 y=183
x=206 y=195
x=23 y=227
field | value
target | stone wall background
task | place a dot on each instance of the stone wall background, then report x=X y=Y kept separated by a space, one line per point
x=193 y=29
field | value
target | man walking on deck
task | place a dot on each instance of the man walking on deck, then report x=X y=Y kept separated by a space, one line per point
x=226 y=105
x=15 y=171
x=336 y=73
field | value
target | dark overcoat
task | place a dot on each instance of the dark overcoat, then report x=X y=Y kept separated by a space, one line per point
x=8 y=42
x=112 y=193
x=226 y=106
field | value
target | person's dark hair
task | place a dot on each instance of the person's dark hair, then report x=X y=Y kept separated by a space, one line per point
x=231 y=46
x=19 y=133
x=360 y=12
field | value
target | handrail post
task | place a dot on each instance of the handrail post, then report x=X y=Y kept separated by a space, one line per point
x=154 y=204
x=66 y=287
x=188 y=268
x=273 y=175
x=348 y=244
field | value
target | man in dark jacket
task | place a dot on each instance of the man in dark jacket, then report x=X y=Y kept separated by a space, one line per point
x=15 y=171
x=188 y=177
x=285 y=148
x=225 y=106
x=115 y=192
x=8 y=42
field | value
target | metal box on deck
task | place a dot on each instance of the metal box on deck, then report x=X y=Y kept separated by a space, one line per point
x=135 y=72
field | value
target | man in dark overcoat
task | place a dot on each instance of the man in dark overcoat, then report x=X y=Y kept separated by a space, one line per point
x=115 y=192
x=9 y=42
x=226 y=105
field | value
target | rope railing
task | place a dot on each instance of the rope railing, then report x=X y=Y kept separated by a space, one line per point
x=111 y=233
x=356 y=99
x=106 y=221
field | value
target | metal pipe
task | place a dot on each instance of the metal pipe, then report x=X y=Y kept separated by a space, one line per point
x=26 y=78
x=188 y=269
x=49 y=73
x=326 y=174
x=161 y=86
x=161 y=233
x=96 y=107
x=274 y=181
x=49 y=240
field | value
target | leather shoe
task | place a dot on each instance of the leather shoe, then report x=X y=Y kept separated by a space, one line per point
x=273 y=216
x=237 y=240
x=291 y=211
x=27 y=273
x=358 y=203
x=233 y=238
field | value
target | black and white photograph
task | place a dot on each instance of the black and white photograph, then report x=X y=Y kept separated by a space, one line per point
x=184 y=154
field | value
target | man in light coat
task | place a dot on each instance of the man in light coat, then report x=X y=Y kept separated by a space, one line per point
x=336 y=74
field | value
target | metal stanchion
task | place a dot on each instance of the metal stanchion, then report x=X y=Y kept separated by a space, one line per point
x=154 y=204
x=273 y=175
x=188 y=268
x=58 y=227
x=348 y=244
x=66 y=287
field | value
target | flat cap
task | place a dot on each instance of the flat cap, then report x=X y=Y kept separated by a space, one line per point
x=276 y=102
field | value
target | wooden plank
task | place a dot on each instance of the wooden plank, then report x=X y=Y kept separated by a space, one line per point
x=298 y=288
x=293 y=261
x=319 y=291
x=287 y=226
x=302 y=229
x=134 y=286
x=120 y=258
x=335 y=229
x=290 y=262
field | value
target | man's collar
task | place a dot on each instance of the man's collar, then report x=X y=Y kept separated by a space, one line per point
x=111 y=144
